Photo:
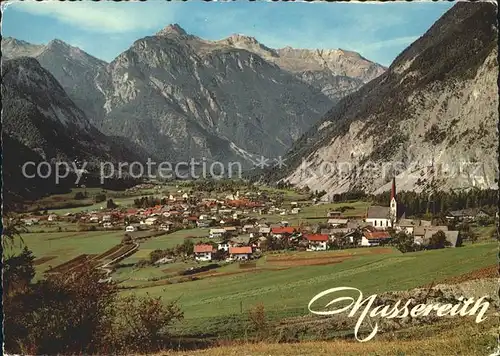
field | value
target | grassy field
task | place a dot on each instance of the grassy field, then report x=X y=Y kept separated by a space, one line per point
x=288 y=194
x=455 y=337
x=65 y=203
x=211 y=303
x=484 y=232
x=63 y=246
x=121 y=202
x=308 y=213
x=217 y=303
x=166 y=241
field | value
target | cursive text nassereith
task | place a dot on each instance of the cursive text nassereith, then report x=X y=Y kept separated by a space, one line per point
x=467 y=307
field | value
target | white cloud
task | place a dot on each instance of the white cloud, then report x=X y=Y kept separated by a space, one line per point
x=103 y=16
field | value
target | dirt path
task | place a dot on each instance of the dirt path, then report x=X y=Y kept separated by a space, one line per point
x=105 y=267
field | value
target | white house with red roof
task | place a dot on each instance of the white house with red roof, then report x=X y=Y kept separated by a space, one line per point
x=203 y=252
x=240 y=253
x=317 y=242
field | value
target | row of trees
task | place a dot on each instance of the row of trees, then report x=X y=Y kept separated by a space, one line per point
x=437 y=202
x=149 y=202
x=219 y=186
x=441 y=202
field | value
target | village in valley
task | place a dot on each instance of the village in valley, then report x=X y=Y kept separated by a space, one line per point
x=241 y=226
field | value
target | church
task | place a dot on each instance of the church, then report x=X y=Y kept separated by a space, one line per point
x=382 y=217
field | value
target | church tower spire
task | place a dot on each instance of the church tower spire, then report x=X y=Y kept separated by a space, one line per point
x=393 y=203
x=393 y=189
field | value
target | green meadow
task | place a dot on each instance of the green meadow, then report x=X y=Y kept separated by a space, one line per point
x=63 y=246
x=286 y=292
x=217 y=302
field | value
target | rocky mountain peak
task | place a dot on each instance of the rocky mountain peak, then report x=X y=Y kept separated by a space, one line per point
x=172 y=29
x=250 y=44
x=240 y=38
x=20 y=63
x=12 y=40
x=59 y=45
x=58 y=42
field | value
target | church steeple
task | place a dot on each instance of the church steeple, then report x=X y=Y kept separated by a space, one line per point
x=393 y=203
x=393 y=189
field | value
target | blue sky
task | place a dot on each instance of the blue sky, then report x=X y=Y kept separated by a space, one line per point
x=379 y=31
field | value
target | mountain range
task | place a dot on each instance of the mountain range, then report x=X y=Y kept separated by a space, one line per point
x=179 y=96
x=174 y=96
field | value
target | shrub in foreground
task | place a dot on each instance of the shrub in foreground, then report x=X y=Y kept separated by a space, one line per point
x=77 y=314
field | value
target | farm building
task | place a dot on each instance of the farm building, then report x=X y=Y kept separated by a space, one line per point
x=407 y=225
x=420 y=231
x=247 y=227
x=453 y=237
x=264 y=230
x=466 y=215
x=166 y=226
x=225 y=245
x=31 y=221
x=231 y=230
x=150 y=221
x=333 y=214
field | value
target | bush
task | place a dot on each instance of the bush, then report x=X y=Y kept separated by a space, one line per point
x=63 y=314
x=199 y=269
x=141 y=323
x=99 y=198
x=110 y=204
x=76 y=314
x=79 y=196
x=405 y=243
x=258 y=320
x=142 y=263
x=437 y=241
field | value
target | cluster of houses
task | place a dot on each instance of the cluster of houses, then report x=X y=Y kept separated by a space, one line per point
x=373 y=229
x=241 y=244
x=236 y=227
x=178 y=211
